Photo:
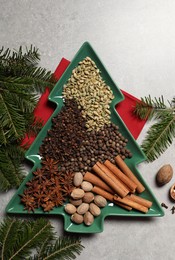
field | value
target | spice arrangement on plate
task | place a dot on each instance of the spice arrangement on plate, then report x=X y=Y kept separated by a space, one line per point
x=83 y=139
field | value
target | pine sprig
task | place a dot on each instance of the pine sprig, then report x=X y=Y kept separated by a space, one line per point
x=159 y=137
x=149 y=108
x=11 y=169
x=161 y=134
x=18 y=238
x=64 y=248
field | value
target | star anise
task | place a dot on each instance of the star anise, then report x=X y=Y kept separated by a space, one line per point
x=39 y=198
x=67 y=189
x=56 y=187
x=48 y=195
x=50 y=165
x=39 y=175
x=58 y=200
x=46 y=185
x=28 y=201
x=67 y=178
x=48 y=188
x=49 y=205
x=33 y=186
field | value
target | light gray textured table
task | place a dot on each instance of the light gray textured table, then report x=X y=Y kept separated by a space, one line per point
x=136 y=42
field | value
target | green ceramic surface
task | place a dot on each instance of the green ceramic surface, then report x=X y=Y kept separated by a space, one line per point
x=15 y=207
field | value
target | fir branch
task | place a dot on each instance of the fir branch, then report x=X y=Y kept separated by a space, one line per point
x=161 y=134
x=19 y=237
x=30 y=238
x=149 y=108
x=42 y=248
x=25 y=65
x=11 y=169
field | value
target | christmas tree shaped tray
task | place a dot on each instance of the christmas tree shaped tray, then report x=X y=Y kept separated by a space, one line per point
x=16 y=207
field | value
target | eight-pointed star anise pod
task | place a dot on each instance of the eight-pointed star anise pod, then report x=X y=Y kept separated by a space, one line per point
x=39 y=175
x=28 y=201
x=49 y=205
x=50 y=165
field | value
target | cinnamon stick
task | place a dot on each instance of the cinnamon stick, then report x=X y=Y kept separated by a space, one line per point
x=122 y=165
x=114 y=184
x=124 y=178
x=103 y=193
x=109 y=197
x=112 y=176
x=131 y=203
x=123 y=205
x=92 y=178
x=140 y=200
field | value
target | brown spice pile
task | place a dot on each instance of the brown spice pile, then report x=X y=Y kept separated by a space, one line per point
x=67 y=132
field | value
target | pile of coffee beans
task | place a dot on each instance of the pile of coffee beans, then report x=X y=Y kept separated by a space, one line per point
x=77 y=149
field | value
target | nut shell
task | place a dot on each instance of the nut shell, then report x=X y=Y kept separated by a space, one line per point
x=172 y=191
x=164 y=175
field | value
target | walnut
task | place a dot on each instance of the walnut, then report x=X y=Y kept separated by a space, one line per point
x=172 y=191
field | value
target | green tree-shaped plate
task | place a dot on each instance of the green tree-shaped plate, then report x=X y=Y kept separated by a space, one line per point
x=15 y=206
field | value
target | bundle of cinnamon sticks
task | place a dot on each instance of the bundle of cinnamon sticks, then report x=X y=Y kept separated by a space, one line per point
x=117 y=183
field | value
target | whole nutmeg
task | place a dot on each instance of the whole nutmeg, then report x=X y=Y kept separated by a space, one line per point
x=78 y=178
x=82 y=208
x=77 y=193
x=86 y=186
x=100 y=201
x=94 y=209
x=88 y=197
x=75 y=202
x=172 y=191
x=164 y=175
x=88 y=218
x=70 y=209
x=77 y=218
